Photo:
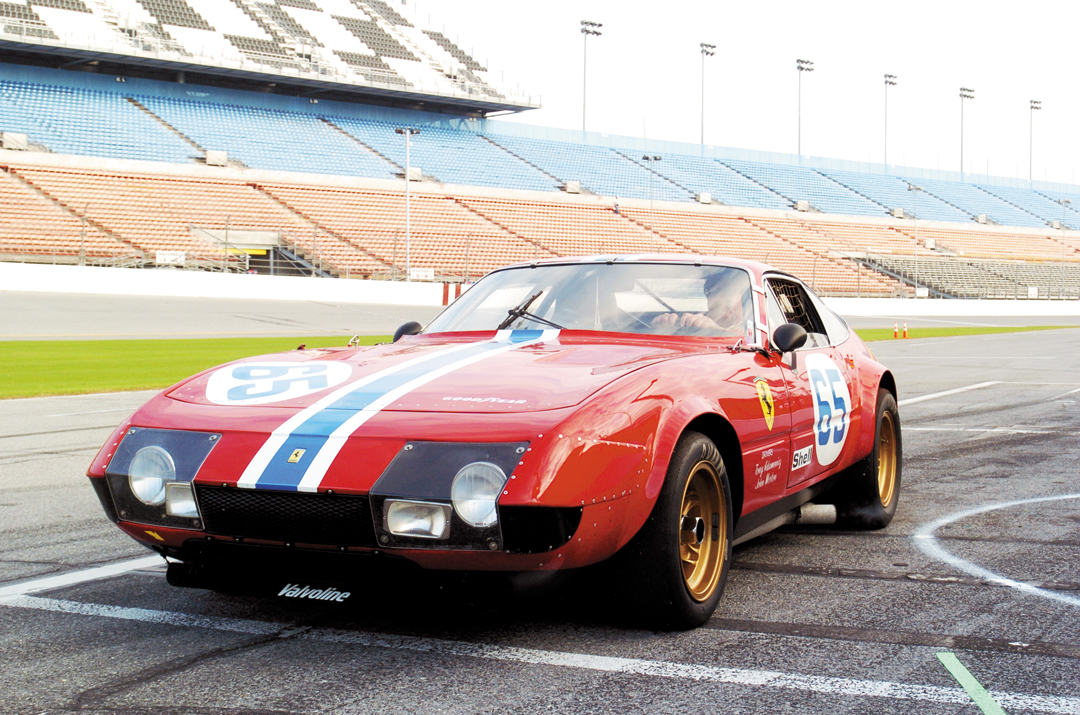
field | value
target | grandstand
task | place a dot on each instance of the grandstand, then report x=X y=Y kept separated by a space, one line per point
x=177 y=123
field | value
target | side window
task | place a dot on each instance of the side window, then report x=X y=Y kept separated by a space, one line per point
x=835 y=326
x=790 y=303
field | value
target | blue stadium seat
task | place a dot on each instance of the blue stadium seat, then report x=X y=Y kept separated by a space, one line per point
x=600 y=170
x=975 y=201
x=270 y=139
x=87 y=122
x=797 y=183
x=1033 y=202
x=699 y=175
x=451 y=156
x=892 y=192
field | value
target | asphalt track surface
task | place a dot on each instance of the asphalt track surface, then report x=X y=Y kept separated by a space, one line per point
x=814 y=620
x=60 y=316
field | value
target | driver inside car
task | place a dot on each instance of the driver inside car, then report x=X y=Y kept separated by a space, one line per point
x=729 y=305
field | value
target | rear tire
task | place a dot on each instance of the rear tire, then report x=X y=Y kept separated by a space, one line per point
x=868 y=491
x=675 y=568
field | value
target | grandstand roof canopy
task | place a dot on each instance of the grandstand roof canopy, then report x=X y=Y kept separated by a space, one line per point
x=348 y=50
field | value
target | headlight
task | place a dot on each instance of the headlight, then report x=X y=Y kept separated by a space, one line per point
x=429 y=521
x=150 y=469
x=474 y=492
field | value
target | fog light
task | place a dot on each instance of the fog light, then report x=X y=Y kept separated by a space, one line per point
x=180 y=500
x=420 y=519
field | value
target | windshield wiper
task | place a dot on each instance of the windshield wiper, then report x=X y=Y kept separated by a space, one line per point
x=522 y=311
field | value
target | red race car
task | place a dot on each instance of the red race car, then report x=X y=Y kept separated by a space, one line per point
x=645 y=411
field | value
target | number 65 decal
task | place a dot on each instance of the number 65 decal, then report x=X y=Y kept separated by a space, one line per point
x=261 y=383
x=832 y=407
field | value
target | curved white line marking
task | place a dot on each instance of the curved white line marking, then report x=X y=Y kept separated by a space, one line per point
x=929 y=545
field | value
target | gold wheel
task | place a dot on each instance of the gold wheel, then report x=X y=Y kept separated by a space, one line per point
x=886 y=463
x=702 y=531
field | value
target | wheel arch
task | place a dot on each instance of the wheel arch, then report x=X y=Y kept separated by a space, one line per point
x=723 y=435
x=888 y=382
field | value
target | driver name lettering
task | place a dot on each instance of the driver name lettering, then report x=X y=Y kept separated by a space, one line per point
x=766 y=473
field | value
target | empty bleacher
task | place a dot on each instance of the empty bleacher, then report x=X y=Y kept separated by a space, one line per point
x=270 y=139
x=797 y=183
x=724 y=235
x=699 y=175
x=599 y=169
x=893 y=193
x=65 y=120
x=360 y=232
x=964 y=278
x=451 y=156
x=444 y=233
x=33 y=226
x=112 y=124
x=977 y=202
x=155 y=213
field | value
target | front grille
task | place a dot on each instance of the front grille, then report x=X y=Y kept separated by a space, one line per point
x=287 y=516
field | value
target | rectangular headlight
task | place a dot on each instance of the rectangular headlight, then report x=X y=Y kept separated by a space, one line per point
x=419 y=519
x=180 y=500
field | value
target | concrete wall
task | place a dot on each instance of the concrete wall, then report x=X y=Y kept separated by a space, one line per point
x=198 y=284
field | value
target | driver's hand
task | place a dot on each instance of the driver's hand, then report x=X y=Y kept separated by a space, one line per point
x=667 y=320
x=697 y=321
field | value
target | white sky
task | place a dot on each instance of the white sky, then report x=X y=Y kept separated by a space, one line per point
x=646 y=68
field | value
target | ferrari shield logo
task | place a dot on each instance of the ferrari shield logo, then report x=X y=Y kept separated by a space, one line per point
x=765 y=397
x=298 y=453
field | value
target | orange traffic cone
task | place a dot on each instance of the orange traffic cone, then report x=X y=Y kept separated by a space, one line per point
x=895 y=330
x=906 y=336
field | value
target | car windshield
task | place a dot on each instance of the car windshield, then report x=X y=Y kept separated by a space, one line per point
x=656 y=299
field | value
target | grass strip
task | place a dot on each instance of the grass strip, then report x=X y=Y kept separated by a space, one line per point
x=35 y=368
x=875 y=334
x=968 y=682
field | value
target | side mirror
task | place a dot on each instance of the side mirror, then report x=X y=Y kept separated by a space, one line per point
x=788 y=338
x=413 y=327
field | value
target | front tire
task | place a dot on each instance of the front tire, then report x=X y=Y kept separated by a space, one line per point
x=677 y=564
x=869 y=490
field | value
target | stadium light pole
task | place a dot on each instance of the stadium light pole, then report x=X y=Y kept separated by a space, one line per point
x=409 y=133
x=802 y=66
x=965 y=93
x=1064 y=203
x=916 y=189
x=587 y=28
x=707 y=50
x=1032 y=107
x=652 y=160
x=890 y=81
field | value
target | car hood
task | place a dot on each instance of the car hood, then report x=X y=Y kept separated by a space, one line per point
x=505 y=372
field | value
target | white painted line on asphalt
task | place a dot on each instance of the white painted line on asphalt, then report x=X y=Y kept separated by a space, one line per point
x=850 y=687
x=928 y=544
x=1064 y=394
x=74 y=578
x=90 y=412
x=946 y=393
x=998 y=430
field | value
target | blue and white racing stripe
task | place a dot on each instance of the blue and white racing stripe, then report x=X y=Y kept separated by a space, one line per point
x=321 y=429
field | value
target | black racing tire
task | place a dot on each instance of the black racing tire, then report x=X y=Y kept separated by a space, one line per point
x=869 y=491
x=673 y=576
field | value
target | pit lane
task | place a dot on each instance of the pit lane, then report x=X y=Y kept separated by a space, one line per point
x=813 y=619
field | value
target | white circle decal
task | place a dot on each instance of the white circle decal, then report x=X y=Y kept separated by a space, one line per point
x=832 y=407
x=260 y=383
